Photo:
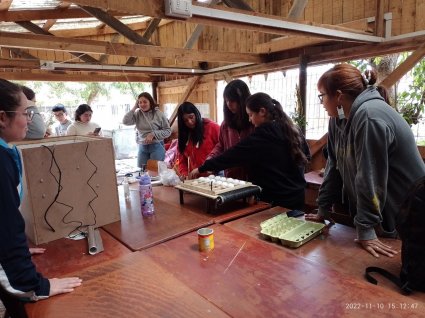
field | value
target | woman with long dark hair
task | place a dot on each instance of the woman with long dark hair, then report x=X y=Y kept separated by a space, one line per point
x=236 y=125
x=152 y=128
x=372 y=156
x=17 y=272
x=275 y=154
x=197 y=137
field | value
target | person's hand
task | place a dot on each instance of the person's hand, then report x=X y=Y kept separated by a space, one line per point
x=149 y=138
x=136 y=106
x=63 y=285
x=376 y=247
x=37 y=250
x=193 y=174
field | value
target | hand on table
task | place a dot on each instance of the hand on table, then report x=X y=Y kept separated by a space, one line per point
x=376 y=247
x=63 y=285
x=193 y=174
x=37 y=250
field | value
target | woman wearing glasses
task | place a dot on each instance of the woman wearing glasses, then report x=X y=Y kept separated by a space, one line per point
x=372 y=156
x=17 y=272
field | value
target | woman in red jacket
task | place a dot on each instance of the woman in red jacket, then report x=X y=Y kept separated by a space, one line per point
x=197 y=137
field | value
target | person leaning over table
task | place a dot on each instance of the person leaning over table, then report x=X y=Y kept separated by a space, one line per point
x=275 y=154
x=372 y=156
x=18 y=274
x=197 y=137
x=235 y=126
x=152 y=128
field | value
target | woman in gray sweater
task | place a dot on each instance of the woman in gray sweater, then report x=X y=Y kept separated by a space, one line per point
x=373 y=158
x=152 y=128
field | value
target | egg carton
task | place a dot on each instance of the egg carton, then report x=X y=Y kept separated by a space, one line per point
x=290 y=231
x=213 y=185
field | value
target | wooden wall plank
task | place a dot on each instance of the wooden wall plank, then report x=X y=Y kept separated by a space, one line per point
x=420 y=11
x=348 y=10
x=337 y=12
x=408 y=16
x=327 y=11
x=395 y=6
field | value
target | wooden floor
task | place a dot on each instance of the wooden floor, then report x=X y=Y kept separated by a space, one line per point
x=151 y=267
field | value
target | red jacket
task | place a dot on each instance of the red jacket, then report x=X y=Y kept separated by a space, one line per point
x=197 y=155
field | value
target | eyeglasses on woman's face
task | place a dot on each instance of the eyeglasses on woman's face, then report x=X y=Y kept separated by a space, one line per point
x=28 y=113
x=320 y=96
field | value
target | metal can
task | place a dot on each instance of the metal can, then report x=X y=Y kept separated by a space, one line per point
x=206 y=239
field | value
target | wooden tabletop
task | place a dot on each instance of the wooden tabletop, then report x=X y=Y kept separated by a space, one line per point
x=313 y=178
x=334 y=249
x=169 y=221
x=129 y=286
x=246 y=277
x=65 y=256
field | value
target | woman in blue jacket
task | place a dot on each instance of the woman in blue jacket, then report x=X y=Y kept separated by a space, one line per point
x=18 y=274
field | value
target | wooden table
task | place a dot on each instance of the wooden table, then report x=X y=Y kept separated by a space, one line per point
x=65 y=256
x=246 y=277
x=335 y=249
x=169 y=221
x=129 y=286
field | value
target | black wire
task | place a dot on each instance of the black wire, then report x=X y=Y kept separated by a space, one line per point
x=79 y=228
x=60 y=187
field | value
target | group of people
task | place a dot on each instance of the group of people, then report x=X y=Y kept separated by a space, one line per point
x=37 y=129
x=372 y=160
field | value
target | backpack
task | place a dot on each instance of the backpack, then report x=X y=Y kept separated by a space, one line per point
x=411 y=228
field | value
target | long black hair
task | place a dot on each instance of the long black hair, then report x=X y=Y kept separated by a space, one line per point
x=275 y=113
x=196 y=135
x=236 y=91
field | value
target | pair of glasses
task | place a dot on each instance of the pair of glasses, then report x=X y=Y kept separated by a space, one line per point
x=28 y=113
x=320 y=96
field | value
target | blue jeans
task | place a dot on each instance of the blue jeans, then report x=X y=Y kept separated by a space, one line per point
x=154 y=151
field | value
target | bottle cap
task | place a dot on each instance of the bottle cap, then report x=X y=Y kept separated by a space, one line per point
x=145 y=179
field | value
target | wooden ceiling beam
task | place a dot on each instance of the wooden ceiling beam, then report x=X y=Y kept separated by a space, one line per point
x=45 y=14
x=48 y=42
x=193 y=82
x=147 y=35
x=155 y=8
x=60 y=76
x=50 y=22
x=297 y=9
x=404 y=67
x=117 y=25
x=86 y=32
x=34 y=28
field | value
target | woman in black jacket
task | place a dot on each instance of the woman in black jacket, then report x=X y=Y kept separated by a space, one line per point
x=275 y=154
x=18 y=274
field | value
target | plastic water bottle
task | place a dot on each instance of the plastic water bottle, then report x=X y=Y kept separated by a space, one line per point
x=126 y=187
x=146 y=195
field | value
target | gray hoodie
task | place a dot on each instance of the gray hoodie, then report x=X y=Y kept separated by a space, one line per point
x=373 y=160
x=146 y=122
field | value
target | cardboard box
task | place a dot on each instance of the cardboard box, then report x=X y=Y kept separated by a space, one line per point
x=69 y=183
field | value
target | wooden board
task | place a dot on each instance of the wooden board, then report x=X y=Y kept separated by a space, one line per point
x=68 y=181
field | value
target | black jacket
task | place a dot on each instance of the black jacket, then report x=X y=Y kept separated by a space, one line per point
x=18 y=274
x=265 y=154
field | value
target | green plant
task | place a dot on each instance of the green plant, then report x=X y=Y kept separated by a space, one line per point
x=298 y=115
x=411 y=103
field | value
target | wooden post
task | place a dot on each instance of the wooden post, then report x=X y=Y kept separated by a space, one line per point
x=303 y=87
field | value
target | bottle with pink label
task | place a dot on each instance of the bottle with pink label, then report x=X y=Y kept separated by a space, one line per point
x=146 y=195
